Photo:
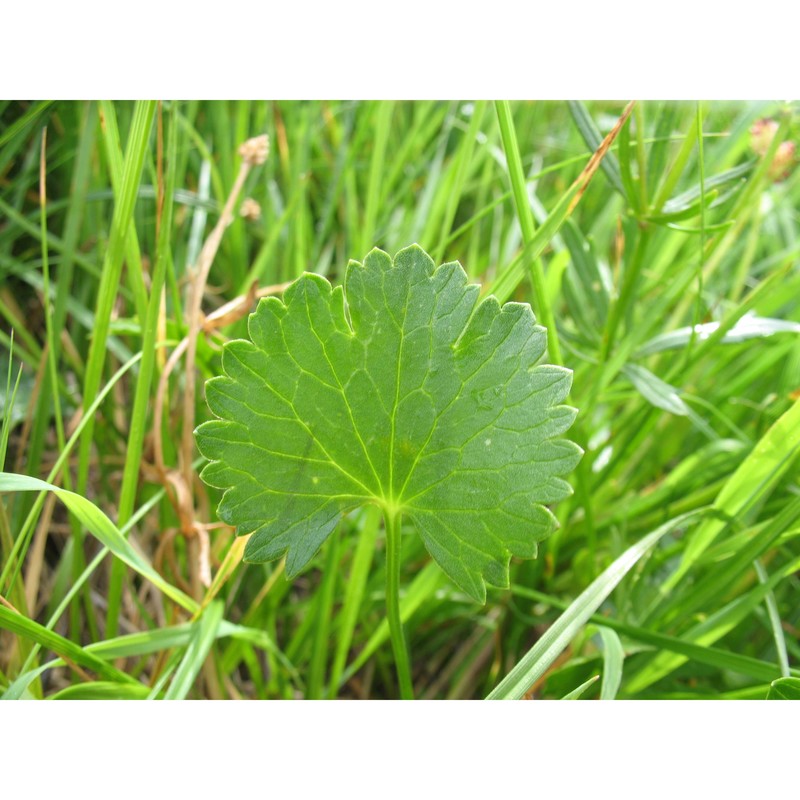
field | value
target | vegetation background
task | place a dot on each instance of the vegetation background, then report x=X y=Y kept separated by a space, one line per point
x=671 y=274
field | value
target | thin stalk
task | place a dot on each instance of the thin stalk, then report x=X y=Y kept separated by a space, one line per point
x=52 y=355
x=393 y=541
x=48 y=316
x=71 y=231
x=744 y=210
x=540 y=301
x=622 y=305
x=641 y=157
x=698 y=307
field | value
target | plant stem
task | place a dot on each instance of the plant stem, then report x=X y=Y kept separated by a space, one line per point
x=392 y=522
x=540 y=301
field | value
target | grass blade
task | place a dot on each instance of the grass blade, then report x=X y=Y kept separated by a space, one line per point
x=137 y=431
x=613 y=658
x=507 y=281
x=112 y=268
x=203 y=637
x=542 y=655
x=28 y=118
x=592 y=136
x=752 y=668
x=354 y=594
x=575 y=694
x=69 y=651
x=774 y=621
x=763 y=468
x=103 y=690
x=784 y=689
x=102 y=528
x=539 y=301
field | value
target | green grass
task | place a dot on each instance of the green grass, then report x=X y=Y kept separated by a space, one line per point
x=675 y=570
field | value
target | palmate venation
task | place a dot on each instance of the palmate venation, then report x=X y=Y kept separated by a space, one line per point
x=403 y=389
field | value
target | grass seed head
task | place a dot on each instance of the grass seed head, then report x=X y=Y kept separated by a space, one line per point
x=250 y=209
x=255 y=151
x=762 y=132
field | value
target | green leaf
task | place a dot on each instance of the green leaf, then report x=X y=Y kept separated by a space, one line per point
x=400 y=390
x=784 y=689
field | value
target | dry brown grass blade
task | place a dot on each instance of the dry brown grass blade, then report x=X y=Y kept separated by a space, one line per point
x=221 y=317
x=8 y=605
x=22 y=442
x=253 y=152
x=237 y=308
x=594 y=162
x=180 y=482
x=34 y=566
x=229 y=564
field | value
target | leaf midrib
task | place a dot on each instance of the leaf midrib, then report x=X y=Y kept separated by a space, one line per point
x=396 y=502
x=342 y=393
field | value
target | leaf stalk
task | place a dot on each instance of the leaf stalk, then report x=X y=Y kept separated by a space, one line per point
x=393 y=541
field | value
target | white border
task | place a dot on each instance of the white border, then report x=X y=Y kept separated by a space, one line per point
x=390 y=749
x=410 y=50
x=418 y=49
